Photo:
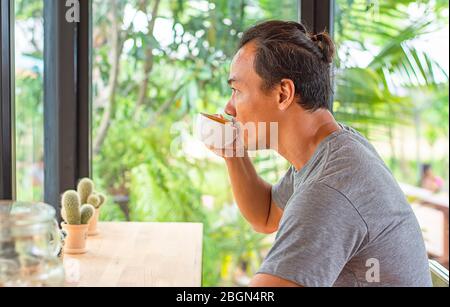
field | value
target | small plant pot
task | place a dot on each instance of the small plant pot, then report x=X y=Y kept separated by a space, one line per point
x=92 y=230
x=75 y=242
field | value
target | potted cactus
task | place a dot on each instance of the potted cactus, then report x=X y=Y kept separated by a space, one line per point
x=96 y=200
x=76 y=219
x=86 y=191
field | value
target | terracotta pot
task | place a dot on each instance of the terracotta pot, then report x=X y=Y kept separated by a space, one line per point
x=76 y=239
x=92 y=230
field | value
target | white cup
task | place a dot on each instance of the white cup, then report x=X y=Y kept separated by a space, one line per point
x=215 y=132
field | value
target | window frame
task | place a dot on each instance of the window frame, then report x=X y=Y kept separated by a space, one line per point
x=7 y=114
x=67 y=98
x=318 y=16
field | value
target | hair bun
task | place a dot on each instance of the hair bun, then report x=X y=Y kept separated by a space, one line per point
x=326 y=46
x=300 y=27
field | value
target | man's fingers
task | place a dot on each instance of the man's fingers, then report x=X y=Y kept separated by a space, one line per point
x=223 y=152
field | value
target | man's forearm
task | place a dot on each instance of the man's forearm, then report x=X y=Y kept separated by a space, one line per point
x=252 y=194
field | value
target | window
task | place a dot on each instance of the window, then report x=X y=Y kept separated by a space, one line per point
x=29 y=66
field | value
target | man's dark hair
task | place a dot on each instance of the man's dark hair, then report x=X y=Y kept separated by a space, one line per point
x=286 y=50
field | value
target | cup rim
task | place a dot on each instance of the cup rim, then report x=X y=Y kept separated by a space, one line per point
x=216 y=119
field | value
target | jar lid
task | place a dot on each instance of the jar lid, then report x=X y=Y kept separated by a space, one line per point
x=22 y=213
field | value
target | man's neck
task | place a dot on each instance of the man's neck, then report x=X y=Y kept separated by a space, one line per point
x=301 y=134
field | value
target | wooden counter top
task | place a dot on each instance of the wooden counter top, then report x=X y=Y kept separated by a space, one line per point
x=139 y=254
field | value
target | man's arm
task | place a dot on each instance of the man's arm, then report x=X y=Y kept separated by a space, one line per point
x=253 y=195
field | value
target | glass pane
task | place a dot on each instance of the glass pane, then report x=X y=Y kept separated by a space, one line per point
x=392 y=84
x=29 y=41
x=151 y=76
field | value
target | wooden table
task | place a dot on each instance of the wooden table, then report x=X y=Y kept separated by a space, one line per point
x=139 y=254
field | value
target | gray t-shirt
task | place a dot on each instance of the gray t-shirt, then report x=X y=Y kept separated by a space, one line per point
x=346 y=221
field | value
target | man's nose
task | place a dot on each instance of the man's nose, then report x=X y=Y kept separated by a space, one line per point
x=230 y=109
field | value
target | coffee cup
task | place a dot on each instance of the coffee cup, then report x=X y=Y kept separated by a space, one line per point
x=215 y=131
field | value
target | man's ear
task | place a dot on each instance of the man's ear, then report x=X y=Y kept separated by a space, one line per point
x=286 y=94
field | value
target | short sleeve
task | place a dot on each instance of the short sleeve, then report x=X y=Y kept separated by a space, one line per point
x=320 y=231
x=282 y=191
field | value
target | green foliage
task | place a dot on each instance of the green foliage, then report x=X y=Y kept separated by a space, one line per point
x=436 y=113
x=370 y=95
x=26 y=9
x=29 y=126
x=29 y=102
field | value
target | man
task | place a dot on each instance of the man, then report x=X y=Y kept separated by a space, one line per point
x=340 y=216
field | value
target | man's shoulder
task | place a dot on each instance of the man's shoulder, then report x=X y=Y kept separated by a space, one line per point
x=319 y=194
x=352 y=143
x=320 y=202
x=348 y=158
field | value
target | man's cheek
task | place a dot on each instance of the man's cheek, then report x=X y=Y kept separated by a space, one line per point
x=244 y=112
x=240 y=112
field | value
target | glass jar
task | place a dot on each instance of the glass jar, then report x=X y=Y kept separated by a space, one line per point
x=29 y=246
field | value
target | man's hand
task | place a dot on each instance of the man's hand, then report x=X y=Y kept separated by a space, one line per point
x=236 y=149
x=252 y=194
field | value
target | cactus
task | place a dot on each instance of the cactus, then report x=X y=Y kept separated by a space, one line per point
x=71 y=205
x=72 y=211
x=85 y=188
x=87 y=211
x=63 y=214
x=102 y=198
x=94 y=200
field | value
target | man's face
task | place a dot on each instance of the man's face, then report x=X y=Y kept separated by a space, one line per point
x=249 y=104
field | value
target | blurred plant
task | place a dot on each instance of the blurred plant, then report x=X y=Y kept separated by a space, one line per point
x=29 y=100
x=397 y=85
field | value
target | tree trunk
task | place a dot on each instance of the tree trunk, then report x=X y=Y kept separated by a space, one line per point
x=114 y=58
x=148 y=64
